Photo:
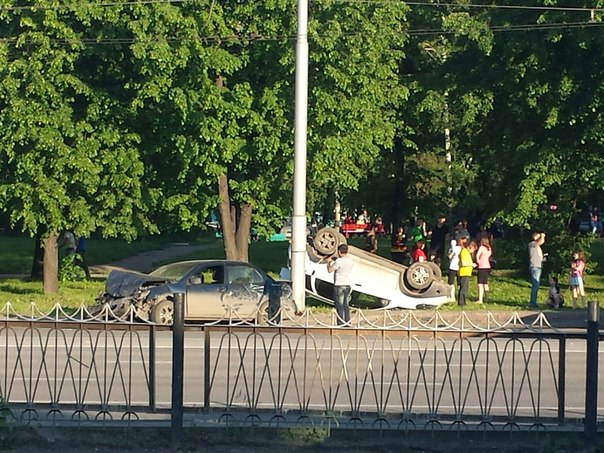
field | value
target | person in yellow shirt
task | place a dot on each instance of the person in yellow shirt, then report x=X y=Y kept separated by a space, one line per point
x=466 y=265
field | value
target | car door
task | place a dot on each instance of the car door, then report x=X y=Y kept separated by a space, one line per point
x=245 y=287
x=205 y=290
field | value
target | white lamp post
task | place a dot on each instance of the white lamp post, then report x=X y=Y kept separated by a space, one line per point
x=298 y=258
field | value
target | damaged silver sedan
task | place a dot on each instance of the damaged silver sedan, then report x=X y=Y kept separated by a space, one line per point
x=213 y=290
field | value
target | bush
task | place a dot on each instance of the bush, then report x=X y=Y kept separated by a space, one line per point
x=71 y=270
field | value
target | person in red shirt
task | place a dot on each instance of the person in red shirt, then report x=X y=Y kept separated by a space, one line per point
x=418 y=254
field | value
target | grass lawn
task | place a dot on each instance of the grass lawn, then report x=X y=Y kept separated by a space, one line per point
x=22 y=294
x=510 y=288
x=16 y=259
x=16 y=252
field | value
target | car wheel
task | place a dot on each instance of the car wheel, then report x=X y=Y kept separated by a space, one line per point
x=436 y=271
x=419 y=275
x=342 y=238
x=326 y=241
x=163 y=313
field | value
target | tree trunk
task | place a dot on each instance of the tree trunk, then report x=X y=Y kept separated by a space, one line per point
x=235 y=224
x=330 y=202
x=243 y=231
x=37 y=267
x=51 y=264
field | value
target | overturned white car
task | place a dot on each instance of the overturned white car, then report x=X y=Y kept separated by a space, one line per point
x=388 y=284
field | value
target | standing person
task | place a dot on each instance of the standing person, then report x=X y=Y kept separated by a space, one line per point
x=466 y=265
x=398 y=248
x=371 y=243
x=484 y=233
x=577 y=267
x=342 y=266
x=81 y=255
x=419 y=233
x=418 y=255
x=363 y=217
x=438 y=239
x=453 y=254
x=379 y=225
x=461 y=229
x=68 y=243
x=483 y=261
x=594 y=220
x=536 y=259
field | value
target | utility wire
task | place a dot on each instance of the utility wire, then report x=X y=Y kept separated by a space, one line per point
x=401 y=2
x=439 y=4
x=290 y=37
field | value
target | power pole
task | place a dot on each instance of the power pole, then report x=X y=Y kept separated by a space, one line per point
x=298 y=258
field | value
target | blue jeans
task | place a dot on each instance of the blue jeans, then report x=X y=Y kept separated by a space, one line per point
x=341 y=298
x=535 y=277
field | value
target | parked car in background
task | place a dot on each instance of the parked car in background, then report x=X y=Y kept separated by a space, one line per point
x=213 y=289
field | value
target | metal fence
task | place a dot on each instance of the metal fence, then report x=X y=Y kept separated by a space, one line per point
x=426 y=376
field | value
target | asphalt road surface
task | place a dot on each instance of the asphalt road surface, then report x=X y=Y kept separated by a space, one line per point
x=373 y=373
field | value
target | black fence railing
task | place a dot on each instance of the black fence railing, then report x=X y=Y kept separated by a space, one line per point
x=420 y=378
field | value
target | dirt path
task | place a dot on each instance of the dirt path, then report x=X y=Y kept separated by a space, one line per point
x=147 y=261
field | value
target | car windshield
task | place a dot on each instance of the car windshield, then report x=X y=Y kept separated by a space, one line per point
x=174 y=271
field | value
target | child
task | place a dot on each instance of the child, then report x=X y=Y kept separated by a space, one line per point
x=418 y=255
x=554 y=298
x=577 y=266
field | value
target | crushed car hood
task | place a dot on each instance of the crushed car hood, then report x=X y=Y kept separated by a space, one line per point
x=127 y=283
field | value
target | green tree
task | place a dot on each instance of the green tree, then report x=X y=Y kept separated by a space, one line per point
x=209 y=109
x=536 y=141
x=541 y=143
x=67 y=160
x=355 y=91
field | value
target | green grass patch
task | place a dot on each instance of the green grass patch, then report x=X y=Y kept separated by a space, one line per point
x=17 y=252
x=22 y=294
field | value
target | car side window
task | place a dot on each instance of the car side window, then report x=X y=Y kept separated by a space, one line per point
x=244 y=275
x=197 y=279
x=213 y=275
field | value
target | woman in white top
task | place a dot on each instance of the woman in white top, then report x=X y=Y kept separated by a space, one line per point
x=454 y=250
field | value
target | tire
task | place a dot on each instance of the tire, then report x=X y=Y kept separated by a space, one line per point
x=419 y=275
x=326 y=241
x=436 y=271
x=342 y=238
x=163 y=313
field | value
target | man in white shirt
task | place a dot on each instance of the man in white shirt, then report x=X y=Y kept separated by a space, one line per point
x=536 y=259
x=342 y=265
x=68 y=242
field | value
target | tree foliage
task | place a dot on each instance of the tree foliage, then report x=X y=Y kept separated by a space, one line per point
x=127 y=118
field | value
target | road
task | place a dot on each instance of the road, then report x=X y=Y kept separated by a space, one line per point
x=384 y=373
